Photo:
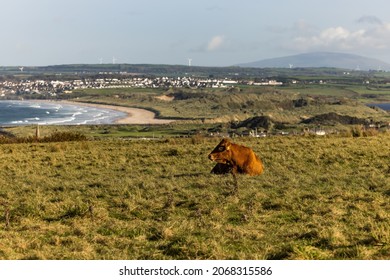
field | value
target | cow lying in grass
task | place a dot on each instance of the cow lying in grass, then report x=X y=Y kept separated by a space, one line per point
x=235 y=159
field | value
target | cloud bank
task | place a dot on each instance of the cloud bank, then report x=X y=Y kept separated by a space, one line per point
x=375 y=37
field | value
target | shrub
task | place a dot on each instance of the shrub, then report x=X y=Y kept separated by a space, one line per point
x=55 y=137
x=371 y=132
x=63 y=137
x=357 y=131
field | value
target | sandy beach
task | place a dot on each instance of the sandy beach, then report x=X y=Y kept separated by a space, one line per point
x=134 y=115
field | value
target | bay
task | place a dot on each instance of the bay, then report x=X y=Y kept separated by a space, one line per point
x=16 y=112
x=383 y=106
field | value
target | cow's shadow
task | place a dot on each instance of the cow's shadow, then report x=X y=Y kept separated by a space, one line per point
x=218 y=169
x=188 y=175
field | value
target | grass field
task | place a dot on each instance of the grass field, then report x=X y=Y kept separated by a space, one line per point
x=240 y=103
x=319 y=198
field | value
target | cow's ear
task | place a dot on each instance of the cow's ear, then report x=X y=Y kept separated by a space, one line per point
x=227 y=147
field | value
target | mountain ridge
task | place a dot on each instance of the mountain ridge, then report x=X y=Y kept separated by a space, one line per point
x=321 y=59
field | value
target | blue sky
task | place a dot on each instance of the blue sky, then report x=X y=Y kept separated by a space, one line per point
x=210 y=32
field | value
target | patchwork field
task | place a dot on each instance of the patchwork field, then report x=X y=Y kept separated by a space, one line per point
x=319 y=198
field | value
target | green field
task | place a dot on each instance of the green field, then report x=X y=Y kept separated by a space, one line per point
x=319 y=198
x=240 y=103
x=104 y=192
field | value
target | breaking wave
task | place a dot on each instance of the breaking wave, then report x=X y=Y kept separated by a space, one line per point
x=52 y=113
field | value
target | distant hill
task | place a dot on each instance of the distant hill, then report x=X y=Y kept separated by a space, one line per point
x=321 y=59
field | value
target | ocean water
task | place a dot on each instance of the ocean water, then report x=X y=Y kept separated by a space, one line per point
x=14 y=112
x=384 y=106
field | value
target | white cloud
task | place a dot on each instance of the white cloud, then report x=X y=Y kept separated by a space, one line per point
x=215 y=43
x=343 y=39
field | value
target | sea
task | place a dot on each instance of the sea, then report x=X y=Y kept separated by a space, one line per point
x=383 y=106
x=14 y=113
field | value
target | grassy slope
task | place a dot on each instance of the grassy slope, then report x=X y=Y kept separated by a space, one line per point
x=224 y=105
x=319 y=198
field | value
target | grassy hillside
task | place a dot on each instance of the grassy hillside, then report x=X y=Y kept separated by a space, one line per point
x=319 y=198
x=240 y=103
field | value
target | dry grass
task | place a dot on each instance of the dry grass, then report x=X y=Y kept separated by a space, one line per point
x=224 y=105
x=319 y=198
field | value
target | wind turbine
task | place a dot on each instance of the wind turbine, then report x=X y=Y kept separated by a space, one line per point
x=291 y=65
x=21 y=68
x=114 y=60
x=189 y=61
x=101 y=60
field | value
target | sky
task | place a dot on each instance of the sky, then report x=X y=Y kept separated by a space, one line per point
x=209 y=32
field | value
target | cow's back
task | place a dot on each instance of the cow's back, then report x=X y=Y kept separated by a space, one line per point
x=246 y=160
x=257 y=166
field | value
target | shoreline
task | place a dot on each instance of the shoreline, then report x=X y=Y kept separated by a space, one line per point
x=133 y=115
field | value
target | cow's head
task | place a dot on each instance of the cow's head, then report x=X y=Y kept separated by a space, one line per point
x=221 y=153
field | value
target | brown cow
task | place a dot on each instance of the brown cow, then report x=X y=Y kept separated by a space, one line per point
x=233 y=158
